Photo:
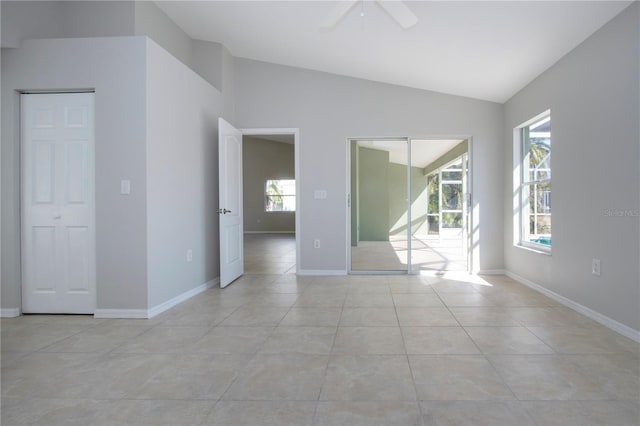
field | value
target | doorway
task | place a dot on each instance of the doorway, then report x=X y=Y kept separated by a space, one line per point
x=58 y=203
x=408 y=205
x=270 y=199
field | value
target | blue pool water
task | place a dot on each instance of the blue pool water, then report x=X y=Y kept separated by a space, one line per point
x=542 y=240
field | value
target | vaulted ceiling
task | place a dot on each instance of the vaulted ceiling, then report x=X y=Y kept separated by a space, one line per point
x=478 y=49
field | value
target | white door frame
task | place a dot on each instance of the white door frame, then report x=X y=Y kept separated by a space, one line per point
x=295 y=132
x=471 y=253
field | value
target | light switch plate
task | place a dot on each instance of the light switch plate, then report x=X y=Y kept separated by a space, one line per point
x=320 y=194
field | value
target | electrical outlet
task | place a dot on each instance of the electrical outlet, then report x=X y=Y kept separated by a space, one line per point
x=595 y=267
x=189 y=255
x=316 y=243
x=125 y=187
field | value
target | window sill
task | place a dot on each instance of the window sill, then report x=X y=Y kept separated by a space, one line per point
x=533 y=249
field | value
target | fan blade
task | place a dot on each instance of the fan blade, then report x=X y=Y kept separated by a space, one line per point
x=338 y=12
x=400 y=12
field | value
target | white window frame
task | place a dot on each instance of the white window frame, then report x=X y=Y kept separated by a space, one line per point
x=464 y=159
x=521 y=216
x=266 y=197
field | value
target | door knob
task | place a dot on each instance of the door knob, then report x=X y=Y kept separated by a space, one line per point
x=56 y=215
x=223 y=211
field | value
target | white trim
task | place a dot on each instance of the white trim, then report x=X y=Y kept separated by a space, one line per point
x=533 y=248
x=297 y=175
x=321 y=272
x=121 y=313
x=490 y=272
x=596 y=316
x=269 y=232
x=10 y=312
x=158 y=309
x=349 y=203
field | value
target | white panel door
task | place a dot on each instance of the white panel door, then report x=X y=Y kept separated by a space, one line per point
x=230 y=203
x=58 y=230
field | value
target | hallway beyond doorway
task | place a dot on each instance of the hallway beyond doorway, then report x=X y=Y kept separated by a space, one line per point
x=270 y=253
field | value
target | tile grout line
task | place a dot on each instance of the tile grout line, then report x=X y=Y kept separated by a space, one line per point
x=406 y=350
x=324 y=376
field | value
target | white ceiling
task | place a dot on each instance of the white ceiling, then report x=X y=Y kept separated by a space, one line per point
x=423 y=152
x=484 y=50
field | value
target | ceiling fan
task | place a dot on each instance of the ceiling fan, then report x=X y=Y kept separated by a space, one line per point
x=395 y=8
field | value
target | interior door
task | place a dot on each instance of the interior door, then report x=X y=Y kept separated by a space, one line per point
x=58 y=231
x=230 y=203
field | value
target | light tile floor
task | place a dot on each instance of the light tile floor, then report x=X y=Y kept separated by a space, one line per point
x=277 y=349
x=427 y=254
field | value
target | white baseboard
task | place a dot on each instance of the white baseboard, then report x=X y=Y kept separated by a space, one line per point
x=10 y=312
x=158 y=309
x=614 y=325
x=269 y=232
x=121 y=313
x=321 y=272
x=490 y=272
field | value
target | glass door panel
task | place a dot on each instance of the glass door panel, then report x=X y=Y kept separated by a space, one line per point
x=438 y=204
x=379 y=214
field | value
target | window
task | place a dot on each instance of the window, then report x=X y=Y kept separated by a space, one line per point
x=535 y=182
x=451 y=195
x=280 y=195
x=445 y=190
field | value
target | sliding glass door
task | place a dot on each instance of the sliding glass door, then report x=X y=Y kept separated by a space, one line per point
x=408 y=205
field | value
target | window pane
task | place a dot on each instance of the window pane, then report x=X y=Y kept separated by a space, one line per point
x=434 y=221
x=538 y=206
x=452 y=196
x=280 y=195
x=281 y=187
x=434 y=193
x=536 y=144
x=452 y=220
x=535 y=190
x=451 y=175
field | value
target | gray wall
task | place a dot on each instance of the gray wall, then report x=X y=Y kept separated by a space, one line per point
x=115 y=68
x=207 y=57
x=228 y=85
x=25 y=20
x=182 y=177
x=30 y=19
x=264 y=160
x=159 y=135
x=98 y=19
x=373 y=194
x=328 y=109
x=593 y=94
x=151 y=21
